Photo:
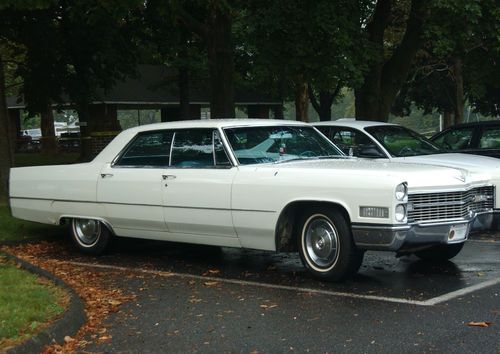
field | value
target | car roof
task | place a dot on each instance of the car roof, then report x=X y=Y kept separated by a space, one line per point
x=216 y=123
x=472 y=124
x=351 y=122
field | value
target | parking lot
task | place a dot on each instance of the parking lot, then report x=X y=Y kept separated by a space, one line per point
x=208 y=299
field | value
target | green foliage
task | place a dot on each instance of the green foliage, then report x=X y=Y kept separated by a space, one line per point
x=26 y=304
x=319 y=40
x=463 y=30
x=26 y=4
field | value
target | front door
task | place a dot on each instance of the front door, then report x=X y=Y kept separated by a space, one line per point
x=197 y=185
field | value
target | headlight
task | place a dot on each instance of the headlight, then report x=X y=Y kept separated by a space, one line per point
x=401 y=191
x=400 y=212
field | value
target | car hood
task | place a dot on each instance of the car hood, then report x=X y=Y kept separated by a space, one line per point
x=467 y=161
x=419 y=176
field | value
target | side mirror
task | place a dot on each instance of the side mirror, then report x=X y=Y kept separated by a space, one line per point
x=370 y=151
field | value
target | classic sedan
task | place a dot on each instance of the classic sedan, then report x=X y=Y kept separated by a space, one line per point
x=260 y=184
x=481 y=138
x=386 y=141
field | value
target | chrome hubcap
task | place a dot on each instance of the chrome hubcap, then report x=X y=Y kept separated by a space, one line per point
x=321 y=241
x=87 y=230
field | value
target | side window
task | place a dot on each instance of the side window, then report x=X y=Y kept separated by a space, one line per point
x=455 y=139
x=490 y=138
x=355 y=143
x=199 y=148
x=343 y=138
x=149 y=149
x=192 y=149
x=221 y=158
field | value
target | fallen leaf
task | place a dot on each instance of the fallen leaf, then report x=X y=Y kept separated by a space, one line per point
x=114 y=302
x=267 y=307
x=479 y=324
x=68 y=339
x=210 y=283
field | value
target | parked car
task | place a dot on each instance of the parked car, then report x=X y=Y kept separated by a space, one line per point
x=260 y=184
x=392 y=142
x=481 y=138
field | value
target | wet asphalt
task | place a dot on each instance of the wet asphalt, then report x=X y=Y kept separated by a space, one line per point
x=207 y=299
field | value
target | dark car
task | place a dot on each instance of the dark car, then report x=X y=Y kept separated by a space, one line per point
x=481 y=138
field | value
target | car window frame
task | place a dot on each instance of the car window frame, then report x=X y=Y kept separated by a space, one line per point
x=235 y=159
x=132 y=140
x=473 y=142
x=480 y=132
x=174 y=131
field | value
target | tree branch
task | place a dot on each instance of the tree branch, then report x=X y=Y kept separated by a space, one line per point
x=190 y=22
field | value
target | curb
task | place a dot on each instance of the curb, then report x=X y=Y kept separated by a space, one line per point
x=70 y=322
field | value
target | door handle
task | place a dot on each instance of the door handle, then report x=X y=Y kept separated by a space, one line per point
x=104 y=175
x=169 y=177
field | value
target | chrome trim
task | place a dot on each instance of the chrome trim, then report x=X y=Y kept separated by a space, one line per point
x=213 y=147
x=228 y=147
x=147 y=205
x=171 y=149
x=74 y=216
x=450 y=206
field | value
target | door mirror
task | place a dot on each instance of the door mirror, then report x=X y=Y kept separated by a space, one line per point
x=370 y=151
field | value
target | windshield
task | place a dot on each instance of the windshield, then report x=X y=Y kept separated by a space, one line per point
x=253 y=145
x=400 y=141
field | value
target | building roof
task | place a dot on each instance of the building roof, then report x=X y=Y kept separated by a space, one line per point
x=156 y=85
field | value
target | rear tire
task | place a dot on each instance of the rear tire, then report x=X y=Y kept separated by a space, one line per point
x=440 y=252
x=90 y=236
x=326 y=246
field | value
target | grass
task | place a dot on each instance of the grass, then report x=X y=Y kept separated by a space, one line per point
x=12 y=229
x=27 y=303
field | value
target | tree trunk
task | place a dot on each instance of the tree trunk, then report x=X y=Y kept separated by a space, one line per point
x=323 y=106
x=385 y=77
x=447 y=119
x=86 y=146
x=301 y=100
x=459 y=90
x=5 y=143
x=278 y=112
x=221 y=63
x=48 y=143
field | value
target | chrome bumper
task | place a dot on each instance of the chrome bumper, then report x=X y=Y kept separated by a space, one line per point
x=397 y=237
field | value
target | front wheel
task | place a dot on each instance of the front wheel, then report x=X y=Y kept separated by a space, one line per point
x=90 y=236
x=326 y=246
x=440 y=252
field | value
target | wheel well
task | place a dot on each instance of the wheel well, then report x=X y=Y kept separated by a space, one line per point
x=66 y=220
x=285 y=234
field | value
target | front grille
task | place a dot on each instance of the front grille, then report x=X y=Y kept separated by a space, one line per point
x=449 y=205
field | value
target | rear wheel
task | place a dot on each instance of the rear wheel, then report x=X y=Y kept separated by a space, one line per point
x=326 y=245
x=90 y=236
x=440 y=252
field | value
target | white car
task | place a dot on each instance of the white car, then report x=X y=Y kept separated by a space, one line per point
x=260 y=184
x=393 y=142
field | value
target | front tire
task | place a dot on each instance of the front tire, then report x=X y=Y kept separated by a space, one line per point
x=90 y=236
x=326 y=246
x=440 y=252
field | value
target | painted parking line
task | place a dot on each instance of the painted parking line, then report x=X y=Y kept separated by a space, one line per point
x=429 y=302
x=461 y=292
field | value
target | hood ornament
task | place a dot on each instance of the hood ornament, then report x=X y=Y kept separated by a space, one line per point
x=462 y=177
